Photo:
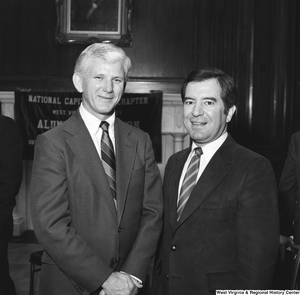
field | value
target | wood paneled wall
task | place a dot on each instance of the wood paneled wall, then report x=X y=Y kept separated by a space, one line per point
x=255 y=41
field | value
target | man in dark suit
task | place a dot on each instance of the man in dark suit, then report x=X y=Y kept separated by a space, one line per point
x=221 y=233
x=11 y=152
x=99 y=224
x=289 y=195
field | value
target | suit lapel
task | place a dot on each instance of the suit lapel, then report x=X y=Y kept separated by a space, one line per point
x=84 y=149
x=211 y=177
x=126 y=147
x=173 y=184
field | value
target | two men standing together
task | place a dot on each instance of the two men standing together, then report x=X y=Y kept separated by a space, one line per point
x=100 y=224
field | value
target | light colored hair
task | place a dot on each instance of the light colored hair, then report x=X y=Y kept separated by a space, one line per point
x=104 y=51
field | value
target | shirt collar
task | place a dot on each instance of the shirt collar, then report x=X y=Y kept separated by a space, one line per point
x=211 y=147
x=92 y=123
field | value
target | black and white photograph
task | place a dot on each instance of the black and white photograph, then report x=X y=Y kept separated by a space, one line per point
x=150 y=147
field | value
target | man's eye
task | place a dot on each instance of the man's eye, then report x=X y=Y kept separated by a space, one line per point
x=210 y=103
x=188 y=102
x=118 y=81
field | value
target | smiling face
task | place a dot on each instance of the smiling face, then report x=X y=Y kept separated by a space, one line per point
x=204 y=111
x=102 y=86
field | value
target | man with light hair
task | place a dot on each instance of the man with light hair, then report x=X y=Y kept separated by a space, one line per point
x=96 y=189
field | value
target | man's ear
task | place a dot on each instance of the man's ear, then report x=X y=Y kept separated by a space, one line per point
x=77 y=82
x=231 y=112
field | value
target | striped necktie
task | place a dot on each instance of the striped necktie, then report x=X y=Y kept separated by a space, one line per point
x=108 y=158
x=189 y=181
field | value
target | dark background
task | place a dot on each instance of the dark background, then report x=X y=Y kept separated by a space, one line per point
x=255 y=41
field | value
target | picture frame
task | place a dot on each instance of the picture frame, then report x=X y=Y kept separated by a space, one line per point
x=94 y=21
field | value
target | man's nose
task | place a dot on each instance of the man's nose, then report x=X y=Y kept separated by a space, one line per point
x=107 y=86
x=197 y=110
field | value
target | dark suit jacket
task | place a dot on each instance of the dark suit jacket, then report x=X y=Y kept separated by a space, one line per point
x=73 y=212
x=289 y=191
x=227 y=237
x=11 y=152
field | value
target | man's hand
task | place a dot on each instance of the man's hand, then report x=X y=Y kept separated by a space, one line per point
x=284 y=241
x=119 y=284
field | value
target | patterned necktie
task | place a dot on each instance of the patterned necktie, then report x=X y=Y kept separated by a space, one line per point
x=189 y=181
x=108 y=158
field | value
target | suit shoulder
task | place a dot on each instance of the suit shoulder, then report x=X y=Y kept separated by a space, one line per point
x=134 y=131
x=178 y=155
x=296 y=138
x=8 y=126
x=246 y=155
x=56 y=130
x=7 y=121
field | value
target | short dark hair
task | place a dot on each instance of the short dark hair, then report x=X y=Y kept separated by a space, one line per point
x=229 y=93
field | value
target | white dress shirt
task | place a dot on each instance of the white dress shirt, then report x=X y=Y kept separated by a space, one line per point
x=208 y=151
x=93 y=125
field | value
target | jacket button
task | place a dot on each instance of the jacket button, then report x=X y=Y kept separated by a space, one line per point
x=167 y=277
x=173 y=248
x=113 y=263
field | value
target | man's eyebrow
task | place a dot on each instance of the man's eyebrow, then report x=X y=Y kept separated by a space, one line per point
x=187 y=97
x=210 y=98
x=204 y=98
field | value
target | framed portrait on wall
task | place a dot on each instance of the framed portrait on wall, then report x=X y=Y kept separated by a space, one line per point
x=90 y=21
